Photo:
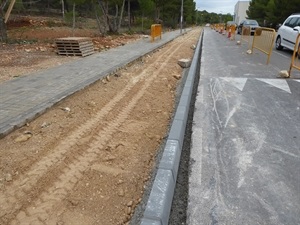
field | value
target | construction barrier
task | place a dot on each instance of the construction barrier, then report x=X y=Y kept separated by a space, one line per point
x=231 y=32
x=217 y=27
x=246 y=34
x=295 y=63
x=222 y=28
x=263 y=41
x=155 y=31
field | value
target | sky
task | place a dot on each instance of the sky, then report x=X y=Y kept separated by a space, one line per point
x=217 y=6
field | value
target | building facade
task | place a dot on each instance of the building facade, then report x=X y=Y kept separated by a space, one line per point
x=240 y=10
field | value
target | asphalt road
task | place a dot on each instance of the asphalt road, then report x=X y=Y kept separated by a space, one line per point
x=245 y=147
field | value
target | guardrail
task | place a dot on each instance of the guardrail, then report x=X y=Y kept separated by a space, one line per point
x=296 y=52
x=156 y=31
x=263 y=41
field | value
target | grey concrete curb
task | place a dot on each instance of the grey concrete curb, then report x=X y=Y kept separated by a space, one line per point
x=161 y=196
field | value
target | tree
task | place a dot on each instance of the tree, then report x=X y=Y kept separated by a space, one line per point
x=74 y=3
x=257 y=10
x=3 y=30
x=113 y=22
x=189 y=8
x=121 y=16
x=129 y=16
x=146 y=7
x=272 y=12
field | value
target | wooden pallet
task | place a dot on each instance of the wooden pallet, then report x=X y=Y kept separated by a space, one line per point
x=74 y=46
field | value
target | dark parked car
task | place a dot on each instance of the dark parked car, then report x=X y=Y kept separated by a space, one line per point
x=253 y=24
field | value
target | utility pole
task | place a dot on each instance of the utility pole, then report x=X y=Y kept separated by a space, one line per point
x=181 y=17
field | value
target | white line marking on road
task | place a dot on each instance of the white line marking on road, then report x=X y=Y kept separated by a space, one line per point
x=230 y=115
x=282 y=55
x=239 y=83
x=281 y=84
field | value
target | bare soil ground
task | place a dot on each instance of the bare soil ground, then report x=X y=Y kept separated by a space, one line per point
x=32 y=44
x=88 y=159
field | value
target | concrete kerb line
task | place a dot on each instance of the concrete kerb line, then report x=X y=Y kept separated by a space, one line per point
x=159 y=204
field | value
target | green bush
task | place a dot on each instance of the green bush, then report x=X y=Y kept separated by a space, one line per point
x=69 y=17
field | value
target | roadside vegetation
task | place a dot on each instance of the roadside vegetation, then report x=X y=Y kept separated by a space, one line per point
x=271 y=13
x=268 y=13
x=112 y=16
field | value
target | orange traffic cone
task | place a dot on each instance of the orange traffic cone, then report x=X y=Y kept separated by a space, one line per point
x=229 y=33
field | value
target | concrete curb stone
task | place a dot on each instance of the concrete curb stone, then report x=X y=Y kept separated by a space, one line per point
x=160 y=200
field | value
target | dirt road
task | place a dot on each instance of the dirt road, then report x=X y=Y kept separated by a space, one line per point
x=88 y=159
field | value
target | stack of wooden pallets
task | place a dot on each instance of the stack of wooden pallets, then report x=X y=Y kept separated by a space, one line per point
x=74 y=46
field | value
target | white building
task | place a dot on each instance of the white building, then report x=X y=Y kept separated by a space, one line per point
x=240 y=9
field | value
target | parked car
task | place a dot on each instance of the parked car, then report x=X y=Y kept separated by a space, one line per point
x=288 y=33
x=253 y=24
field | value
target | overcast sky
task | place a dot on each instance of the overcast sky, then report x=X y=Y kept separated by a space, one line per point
x=217 y=6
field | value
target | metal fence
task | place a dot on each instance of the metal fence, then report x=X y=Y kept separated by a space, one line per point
x=263 y=41
x=295 y=63
x=246 y=35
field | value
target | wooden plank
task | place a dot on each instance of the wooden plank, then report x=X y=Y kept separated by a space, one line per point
x=73 y=39
x=75 y=48
x=74 y=43
x=75 y=53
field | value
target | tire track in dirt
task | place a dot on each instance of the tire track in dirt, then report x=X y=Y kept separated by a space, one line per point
x=73 y=172
x=21 y=186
